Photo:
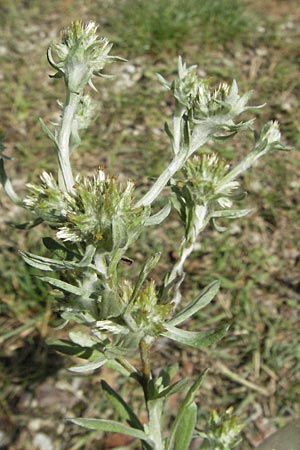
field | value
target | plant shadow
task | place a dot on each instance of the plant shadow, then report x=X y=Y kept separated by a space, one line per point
x=30 y=363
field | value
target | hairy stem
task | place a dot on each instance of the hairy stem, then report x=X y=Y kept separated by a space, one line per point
x=199 y=138
x=186 y=248
x=63 y=140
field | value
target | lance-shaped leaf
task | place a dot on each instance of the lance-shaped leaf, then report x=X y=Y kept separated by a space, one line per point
x=49 y=264
x=66 y=287
x=82 y=338
x=42 y=263
x=111 y=426
x=184 y=408
x=88 y=256
x=119 y=233
x=53 y=245
x=166 y=84
x=169 y=133
x=159 y=217
x=27 y=225
x=217 y=227
x=121 y=406
x=179 y=386
x=147 y=267
x=184 y=431
x=92 y=365
x=231 y=213
x=228 y=214
x=203 y=299
x=69 y=348
x=195 y=338
x=47 y=131
x=6 y=183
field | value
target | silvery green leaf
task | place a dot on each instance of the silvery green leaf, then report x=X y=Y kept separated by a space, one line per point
x=111 y=327
x=69 y=348
x=92 y=365
x=36 y=262
x=232 y=129
x=110 y=305
x=203 y=299
x=185 y=429
x=188 y=400
x=121 y=406
x=81 y=338
x=53 y=245
x=119 y=233
x=231 y=213
x=110 y=426
x=42 y=263
x=88 y=256
x=169 y=288
x=218 y=227
x=169 y=132
x=111 y=59
x=52 y=62
x=179 y=386
x=195 y=338
x=6 y=183
x=66 y=286
x=47 y=131
x=147 y=267
x=166 y=84
x=159 y=217
x=59 y=324
x=117 y=367
x=28 y=225
x=69 y=315
x=268 y=140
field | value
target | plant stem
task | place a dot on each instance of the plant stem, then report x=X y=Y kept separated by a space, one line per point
x=162 y=180
x=154 y=407
x=177 y=269
x=186 y=248
x=63 y=140
x=145 y=359
x=199 y=137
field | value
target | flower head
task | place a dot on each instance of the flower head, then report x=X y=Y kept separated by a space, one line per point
x=100 y=210
x=81 y=54
x=46 y=200
x=223 y=431
x=148 y=315
x=201 y=176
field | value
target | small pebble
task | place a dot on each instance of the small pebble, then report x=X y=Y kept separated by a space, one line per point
x=42 y=442
x=4 y=439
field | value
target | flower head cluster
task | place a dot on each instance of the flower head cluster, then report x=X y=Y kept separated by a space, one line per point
x=148 y=315
x=200 y=101
x=46 y=200
x=185 y=87
x=81 y=54
x=202 y=175
x=99 y=210
x=223 y=431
